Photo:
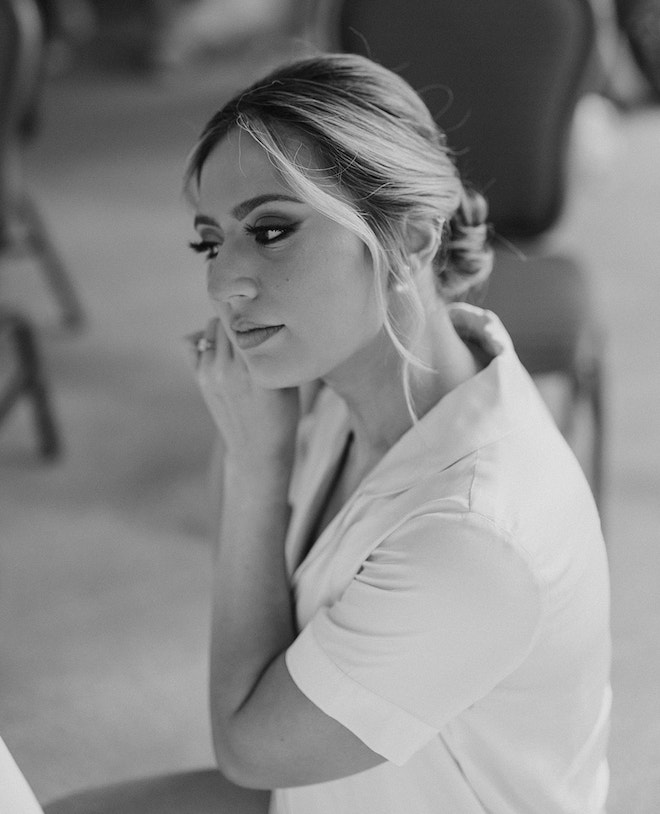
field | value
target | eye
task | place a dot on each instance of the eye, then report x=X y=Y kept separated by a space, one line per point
x=207 y=247
x=270 y=233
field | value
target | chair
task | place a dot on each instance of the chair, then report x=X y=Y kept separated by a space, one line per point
x=639 y=21
x=503 y=78
x=22 y=229
x=27 y=380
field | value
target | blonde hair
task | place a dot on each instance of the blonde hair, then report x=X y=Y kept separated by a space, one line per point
x=381 y=164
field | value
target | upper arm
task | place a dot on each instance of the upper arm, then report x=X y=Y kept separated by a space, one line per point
x=437 y=615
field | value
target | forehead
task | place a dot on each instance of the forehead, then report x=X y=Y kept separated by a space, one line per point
x=238 y=168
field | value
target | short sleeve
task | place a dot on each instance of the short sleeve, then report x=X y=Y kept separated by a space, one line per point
x=438 y=614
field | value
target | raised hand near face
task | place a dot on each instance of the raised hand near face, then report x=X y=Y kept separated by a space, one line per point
x=257 y=424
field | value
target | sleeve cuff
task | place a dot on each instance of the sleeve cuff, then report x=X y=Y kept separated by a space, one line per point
x=385 y=728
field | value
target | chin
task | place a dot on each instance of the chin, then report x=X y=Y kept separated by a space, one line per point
x=270 y=375
x=270 y=378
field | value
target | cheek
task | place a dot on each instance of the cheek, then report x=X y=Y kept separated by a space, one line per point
x=341 y=318
x=335 y=272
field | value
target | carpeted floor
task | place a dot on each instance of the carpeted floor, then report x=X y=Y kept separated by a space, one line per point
x=104 y=557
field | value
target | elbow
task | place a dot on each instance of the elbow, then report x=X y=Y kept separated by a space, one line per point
x=231 y=767
x=234 y=761
x=226 y=757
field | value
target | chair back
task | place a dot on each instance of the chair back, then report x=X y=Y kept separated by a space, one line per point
x=21 y=52
x=502 y=78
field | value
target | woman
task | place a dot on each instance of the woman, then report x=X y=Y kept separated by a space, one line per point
x=411 y=593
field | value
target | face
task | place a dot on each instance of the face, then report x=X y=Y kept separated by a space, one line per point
x=294 y=290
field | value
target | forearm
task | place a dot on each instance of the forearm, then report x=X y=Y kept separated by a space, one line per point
x=252 y=613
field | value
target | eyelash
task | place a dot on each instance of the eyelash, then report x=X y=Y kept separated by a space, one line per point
x=205 y=247
x=210 y=248
x=260 y=232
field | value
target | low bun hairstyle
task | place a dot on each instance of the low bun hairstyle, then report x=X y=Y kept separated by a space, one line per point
x=380 y=164
x=465 y=257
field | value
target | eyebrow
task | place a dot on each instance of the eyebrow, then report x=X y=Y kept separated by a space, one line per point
x=243 y=209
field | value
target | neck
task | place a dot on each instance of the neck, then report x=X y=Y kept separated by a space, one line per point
x=371 y=384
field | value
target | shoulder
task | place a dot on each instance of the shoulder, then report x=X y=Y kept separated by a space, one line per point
x=445 y=551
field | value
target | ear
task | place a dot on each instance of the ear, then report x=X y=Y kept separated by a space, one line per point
x=422 y=243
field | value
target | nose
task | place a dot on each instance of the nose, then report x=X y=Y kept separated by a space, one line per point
x=226 y=284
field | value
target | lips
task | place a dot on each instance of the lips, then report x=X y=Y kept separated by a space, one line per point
x=248 y=335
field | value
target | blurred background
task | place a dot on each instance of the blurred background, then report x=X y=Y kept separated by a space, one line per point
x=104 y=441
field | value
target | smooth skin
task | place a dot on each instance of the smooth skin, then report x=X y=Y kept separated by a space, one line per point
x=277 y=262
x=314 y=277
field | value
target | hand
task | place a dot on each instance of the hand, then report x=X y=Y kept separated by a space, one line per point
x=258 y=425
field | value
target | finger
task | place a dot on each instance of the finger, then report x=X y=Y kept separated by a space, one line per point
x=217 y=336
x=215 y=351
x=193 y=337
x=210 y=330
x=191 y=341
x=205 y=344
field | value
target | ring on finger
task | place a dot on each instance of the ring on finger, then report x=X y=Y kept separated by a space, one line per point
x=203 y=344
